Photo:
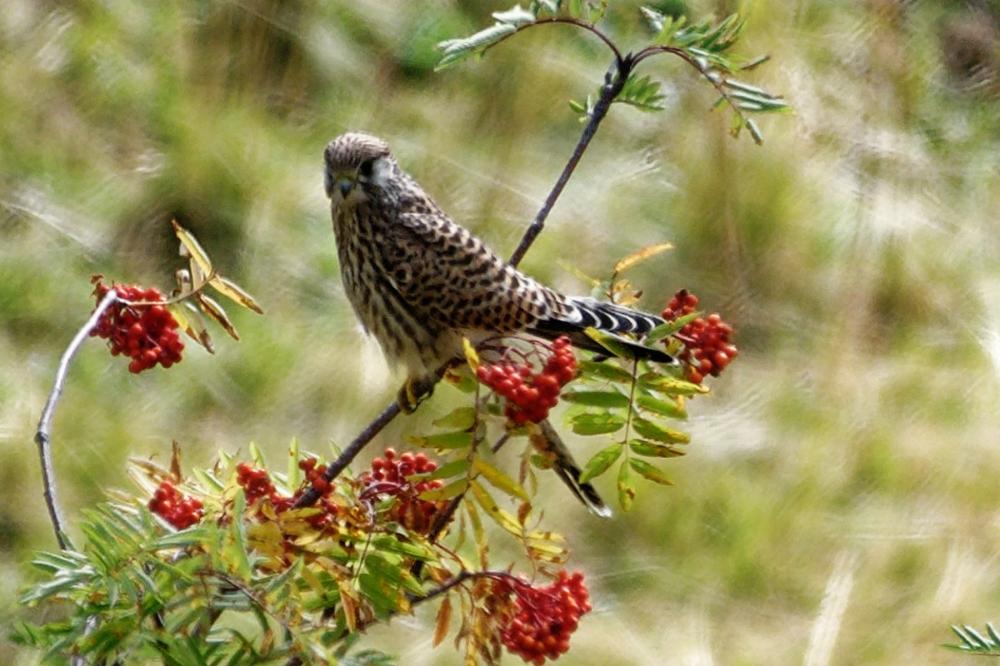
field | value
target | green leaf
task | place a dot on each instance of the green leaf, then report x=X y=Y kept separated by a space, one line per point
x=597 y=424
x=235 y=552
x=626 y=488
x=610 y=342
x=605 y=370
x=379 y=592
x=652 y=449
x=642 y=93
x=447 y=470
x=293 y=475
x=462 y=418
x=671 y=408
x=499 y=480
x=650 y=472
x=453 y=489
x=456 y=50
x=672 y=386
x=393 y=544
x=515 y=16
x=445 y=440
x=257 y=456
x=653 y=18
x=596 y=398
x=393 y=572
x=601 y=461
x=670 y=327
x=650 y=430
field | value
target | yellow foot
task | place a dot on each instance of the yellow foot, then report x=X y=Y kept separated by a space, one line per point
x=413 y=392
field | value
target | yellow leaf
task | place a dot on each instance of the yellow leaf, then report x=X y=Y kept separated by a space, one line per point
x=231 y=290
x=196 y=328
x=640 y=256
x=194 y=249
x=471 y=357
x=210 y=307
x=349 y=604
x=499 y=480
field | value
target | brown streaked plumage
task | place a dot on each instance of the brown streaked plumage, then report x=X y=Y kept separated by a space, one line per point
x=419 y=282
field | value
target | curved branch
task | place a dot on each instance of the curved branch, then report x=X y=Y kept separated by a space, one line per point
x=43 y=432
x=565 y=20
x=716 y=81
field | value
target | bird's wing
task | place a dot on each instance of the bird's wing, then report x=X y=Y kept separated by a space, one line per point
x=448 y=275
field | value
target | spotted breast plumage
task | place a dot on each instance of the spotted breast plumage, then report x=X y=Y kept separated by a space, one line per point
x=419 y=282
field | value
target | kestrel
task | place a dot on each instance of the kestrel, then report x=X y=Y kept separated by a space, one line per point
x=420 y=282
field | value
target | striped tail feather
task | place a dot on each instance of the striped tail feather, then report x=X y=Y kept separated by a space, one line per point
x=583 y=313
x=568 y=471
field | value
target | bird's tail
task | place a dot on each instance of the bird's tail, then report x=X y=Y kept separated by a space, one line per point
x=583 y=313
x=550 y=444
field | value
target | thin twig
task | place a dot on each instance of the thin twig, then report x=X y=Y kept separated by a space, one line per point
x=614 y=80
x=566 y=20
x=43 y=433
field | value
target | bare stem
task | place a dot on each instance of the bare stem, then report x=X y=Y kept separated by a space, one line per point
x=43 y=433
x=614 y=80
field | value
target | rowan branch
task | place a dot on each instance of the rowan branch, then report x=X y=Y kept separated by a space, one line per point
x=43 y=432
x=614 y=80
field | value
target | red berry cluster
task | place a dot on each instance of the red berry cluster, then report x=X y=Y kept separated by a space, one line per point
x=544 y=617
x=256 y=483
x=388 y=476
x=147 y=333
x=175 y=508
x=707 y=349
x=531 y=395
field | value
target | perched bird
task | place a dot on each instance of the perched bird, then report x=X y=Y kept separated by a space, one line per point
x=420 y=282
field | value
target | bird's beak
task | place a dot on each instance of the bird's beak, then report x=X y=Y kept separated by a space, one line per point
x=339 y=181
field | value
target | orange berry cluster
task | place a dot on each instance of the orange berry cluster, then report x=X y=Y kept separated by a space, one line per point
x=531 y=395
x=146 y=333
x=707 y=349
x=544 y=617
x=175 y=508
x=389 y=477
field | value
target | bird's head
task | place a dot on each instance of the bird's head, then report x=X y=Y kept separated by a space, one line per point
x=355 y=163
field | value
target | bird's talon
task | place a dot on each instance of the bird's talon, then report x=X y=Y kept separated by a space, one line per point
x=412 y=393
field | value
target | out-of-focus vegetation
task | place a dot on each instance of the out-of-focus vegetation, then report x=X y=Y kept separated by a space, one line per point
x=839 y=502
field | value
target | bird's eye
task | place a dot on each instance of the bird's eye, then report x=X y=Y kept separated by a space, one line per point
x=366 y=168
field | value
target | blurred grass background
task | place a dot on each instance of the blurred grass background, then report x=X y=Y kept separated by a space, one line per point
x=839 y=503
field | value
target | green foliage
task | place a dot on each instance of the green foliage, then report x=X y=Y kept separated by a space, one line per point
x=974 y=642
x=704 y=45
